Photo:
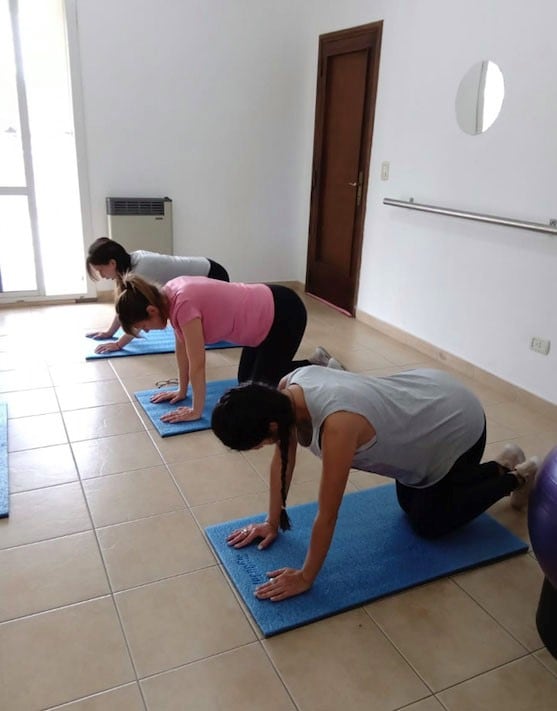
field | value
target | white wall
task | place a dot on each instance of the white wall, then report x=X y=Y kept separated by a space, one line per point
x=476 y=290
x=204 y=101
x=212 y=102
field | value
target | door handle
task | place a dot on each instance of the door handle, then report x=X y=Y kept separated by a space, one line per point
x=353 y=185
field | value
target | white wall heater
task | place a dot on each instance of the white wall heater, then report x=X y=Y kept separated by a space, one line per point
x=141 y=223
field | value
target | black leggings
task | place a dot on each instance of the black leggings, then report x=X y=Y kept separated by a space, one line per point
x=465 y=492
x=217 y=271
x=272 y=358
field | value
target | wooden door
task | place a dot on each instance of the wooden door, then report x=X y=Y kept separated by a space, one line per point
x=348 y=69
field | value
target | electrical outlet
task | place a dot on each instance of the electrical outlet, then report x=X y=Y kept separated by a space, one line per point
x=540 y=345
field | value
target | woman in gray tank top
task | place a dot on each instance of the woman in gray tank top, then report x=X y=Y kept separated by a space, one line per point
x=422 y=428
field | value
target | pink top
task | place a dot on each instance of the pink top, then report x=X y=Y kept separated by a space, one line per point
x=229 y=311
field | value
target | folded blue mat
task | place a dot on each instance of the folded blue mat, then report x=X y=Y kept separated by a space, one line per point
x=4 y=488
x=215 y=389
x=374 y=553
x=162 y=341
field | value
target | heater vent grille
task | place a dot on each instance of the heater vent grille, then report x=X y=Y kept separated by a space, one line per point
x=135 y=206
x=141 y=223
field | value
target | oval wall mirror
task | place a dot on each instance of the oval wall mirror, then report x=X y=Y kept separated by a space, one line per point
x=480 y=97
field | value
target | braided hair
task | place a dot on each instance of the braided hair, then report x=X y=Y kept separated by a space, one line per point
x=136 y=294
x=242 y=420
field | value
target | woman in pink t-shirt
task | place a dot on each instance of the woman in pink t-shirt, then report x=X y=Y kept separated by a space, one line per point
x=268 y=320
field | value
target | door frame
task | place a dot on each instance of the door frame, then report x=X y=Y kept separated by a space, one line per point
x=328 y=42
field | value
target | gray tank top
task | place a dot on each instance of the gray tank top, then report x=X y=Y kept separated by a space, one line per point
x=424 y=419
x=164 y=267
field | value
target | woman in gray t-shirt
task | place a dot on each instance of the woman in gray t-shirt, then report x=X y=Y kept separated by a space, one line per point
x=108 y=259
x=422 y=428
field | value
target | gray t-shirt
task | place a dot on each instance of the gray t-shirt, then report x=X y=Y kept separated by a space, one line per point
x=164 y=267
x=424 y=419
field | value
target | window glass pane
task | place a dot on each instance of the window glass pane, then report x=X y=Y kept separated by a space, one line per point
x=12 y=172
x=17 y=262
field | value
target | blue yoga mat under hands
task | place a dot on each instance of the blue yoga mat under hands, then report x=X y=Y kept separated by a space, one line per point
x=374 y=553
x=154 y=410
x=4 y=488
x=159 y=341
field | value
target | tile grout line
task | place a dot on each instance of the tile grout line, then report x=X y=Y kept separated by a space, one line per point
x=112 y=594
x=191 y=511
x=451 y=686
x=206 y=541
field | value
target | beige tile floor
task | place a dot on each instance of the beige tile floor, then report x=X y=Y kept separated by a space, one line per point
x=111 y=600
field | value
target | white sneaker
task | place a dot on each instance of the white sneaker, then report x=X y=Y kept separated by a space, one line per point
x=336 y=364
x=527 y=473
x=511 y=456
x=320 y=356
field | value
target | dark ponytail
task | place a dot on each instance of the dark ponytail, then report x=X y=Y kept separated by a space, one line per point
x=102 y=251
x=242 y=420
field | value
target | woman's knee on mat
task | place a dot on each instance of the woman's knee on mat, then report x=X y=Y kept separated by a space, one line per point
x=428 y=527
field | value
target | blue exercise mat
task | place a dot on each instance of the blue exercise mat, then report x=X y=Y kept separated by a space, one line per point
x=162 y=341
x=374 y=553
x=4 y=487
x=153 y=410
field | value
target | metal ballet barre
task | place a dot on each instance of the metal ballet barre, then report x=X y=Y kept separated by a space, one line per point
x=550 y=228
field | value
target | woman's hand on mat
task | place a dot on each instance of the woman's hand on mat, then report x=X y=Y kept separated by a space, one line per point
x=99 y=335
x=108 y=347
x=173 y=396
x=282 y=584
x=181 y=414
x=248 y=534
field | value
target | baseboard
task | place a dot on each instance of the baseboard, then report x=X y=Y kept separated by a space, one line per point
x=509 y=390
x=30 y=302
x=296 y=285
x=105 y=296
